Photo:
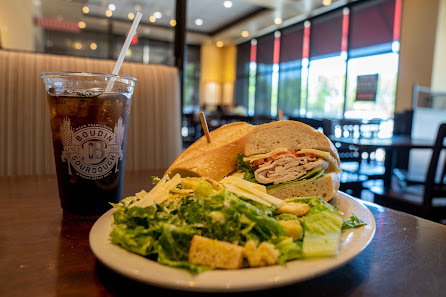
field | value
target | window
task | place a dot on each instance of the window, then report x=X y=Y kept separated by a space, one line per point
x=191 y=79
x=289 y=98
x=326 y=72
x=320 y=61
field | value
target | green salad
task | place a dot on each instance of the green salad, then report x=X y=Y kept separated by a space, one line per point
x=208 y=219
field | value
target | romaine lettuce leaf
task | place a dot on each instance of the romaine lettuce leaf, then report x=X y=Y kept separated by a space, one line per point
x=322 y=229
x=311 y=175
x=353 y=222
x=243 y=166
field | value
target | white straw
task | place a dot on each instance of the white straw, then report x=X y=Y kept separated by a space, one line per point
x=124 y=49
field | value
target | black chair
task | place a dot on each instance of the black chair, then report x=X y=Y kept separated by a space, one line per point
x=427 y=200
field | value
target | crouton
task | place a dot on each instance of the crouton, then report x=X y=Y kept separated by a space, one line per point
x=265 y=254
x=296 y=208
x=215 y=253
x=293 y=229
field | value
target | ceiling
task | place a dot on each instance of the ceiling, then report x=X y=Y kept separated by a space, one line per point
x=218 y=22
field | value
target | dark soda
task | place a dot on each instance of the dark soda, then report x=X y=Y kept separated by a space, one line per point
x=89 y=139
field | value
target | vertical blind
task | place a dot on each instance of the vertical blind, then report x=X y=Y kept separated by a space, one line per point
x=242 y=75
x=371 y=25
x=291 y=44
x=326 y=35
x=264 y=75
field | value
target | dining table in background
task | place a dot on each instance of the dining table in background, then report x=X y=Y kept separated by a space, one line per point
x=392 y=147
x=42 y=254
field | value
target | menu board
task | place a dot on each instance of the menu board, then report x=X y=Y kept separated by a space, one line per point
x=366 y=87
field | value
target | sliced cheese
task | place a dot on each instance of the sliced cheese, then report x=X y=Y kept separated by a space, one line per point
x=241 y=192
x=250 y=159
x=246 y=185
x=334 y=167
x=232 y=179
x=163 y=193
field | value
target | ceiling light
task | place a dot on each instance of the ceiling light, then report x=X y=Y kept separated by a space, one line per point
x=85 y=9
x=245 y=33
x=77 y=45
x=152 y=19
x=173 y=22
x=108 y=13
x=137 y=7
x=82 y=25
x=326 y=2
x=277 y=21
x=157 y=14
x=198 y=22
x=112 y=7
x=220 y=43
x=227 y=4
x=93 y=46
x=131 y=16
x=128 y=53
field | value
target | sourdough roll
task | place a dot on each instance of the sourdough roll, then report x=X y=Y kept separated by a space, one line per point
x=293 y=160
x=215 y=159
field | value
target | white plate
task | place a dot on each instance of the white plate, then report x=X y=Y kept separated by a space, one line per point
x=353 y=241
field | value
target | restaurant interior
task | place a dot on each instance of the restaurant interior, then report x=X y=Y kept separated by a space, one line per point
x=361 y=72
x=369 y=74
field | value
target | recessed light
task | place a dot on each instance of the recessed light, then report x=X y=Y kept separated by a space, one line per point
x=326 y=2
x=131 y=16
x=245 y=33
x=198 y=22
x=277 y=21
x=227 y=4
x=85 y=9
x=220 y=43
x=152 y=19
x=82 y=25
x=77 y=45
x=137 y=7
x=108 y=13
x=128 y=53
x=173 y=22
x=93 y=46
x=157 y=14
x=112 y=7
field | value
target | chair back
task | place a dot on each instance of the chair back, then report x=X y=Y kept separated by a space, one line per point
x=435 y=187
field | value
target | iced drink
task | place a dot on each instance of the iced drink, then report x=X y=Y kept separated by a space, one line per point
x=89 y=128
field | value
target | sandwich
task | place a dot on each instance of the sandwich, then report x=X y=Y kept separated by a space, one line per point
x=291 y=159
x=216 y=159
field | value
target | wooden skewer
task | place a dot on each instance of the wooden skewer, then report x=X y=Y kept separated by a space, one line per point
x=205 y=126
x=280 y=115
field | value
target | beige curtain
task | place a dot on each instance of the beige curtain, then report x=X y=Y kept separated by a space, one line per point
x=154 y=139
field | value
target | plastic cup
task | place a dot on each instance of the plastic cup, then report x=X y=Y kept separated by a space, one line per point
x=89 y=129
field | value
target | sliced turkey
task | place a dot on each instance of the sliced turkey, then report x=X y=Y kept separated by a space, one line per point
x=287 y=167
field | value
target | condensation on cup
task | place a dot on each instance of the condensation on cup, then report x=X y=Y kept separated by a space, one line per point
x=89 y=128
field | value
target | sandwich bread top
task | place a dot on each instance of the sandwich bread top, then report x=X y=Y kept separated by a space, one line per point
x=289 y=134
x=215 y=159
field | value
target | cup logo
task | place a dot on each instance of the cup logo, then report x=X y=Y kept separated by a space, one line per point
x=92 y=150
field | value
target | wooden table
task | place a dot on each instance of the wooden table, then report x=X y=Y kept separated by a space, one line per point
x=392 y=147
x=42 y=254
